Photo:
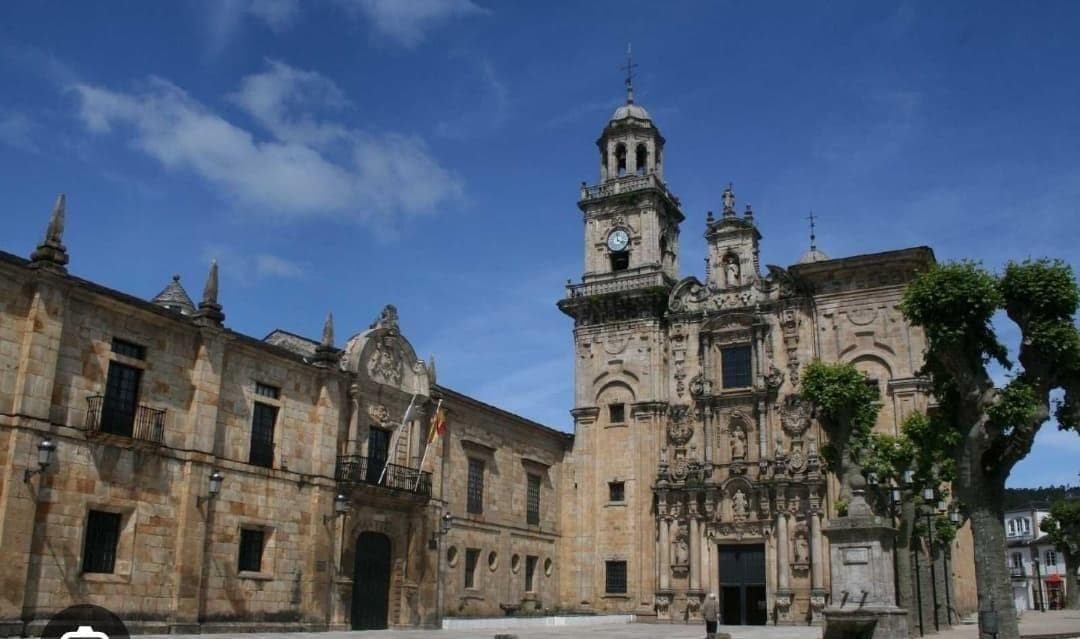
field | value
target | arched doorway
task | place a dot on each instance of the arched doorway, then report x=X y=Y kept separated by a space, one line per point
x=371 y=582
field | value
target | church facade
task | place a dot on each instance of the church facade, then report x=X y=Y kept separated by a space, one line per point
x=696 y=467
x=192 y=478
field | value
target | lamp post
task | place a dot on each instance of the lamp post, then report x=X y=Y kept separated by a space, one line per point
x=928 y=511
x=341 y=508
x=212 y=492
x=445 y=523
x=1038 y=580
x=908 y=479
x=954 y=517
x=46 y=448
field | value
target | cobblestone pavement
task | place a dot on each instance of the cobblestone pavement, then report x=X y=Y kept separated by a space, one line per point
x=1031 y=624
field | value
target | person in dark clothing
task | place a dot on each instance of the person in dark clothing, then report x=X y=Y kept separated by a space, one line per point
x=711 y=612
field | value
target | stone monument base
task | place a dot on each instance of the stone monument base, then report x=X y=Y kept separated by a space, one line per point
x=865 y=623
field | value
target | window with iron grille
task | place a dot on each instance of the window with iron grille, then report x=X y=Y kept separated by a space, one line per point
x=472 y=556
x=615 y=577
x=263 y=418
x=616 y=491
x=266 y=390
x=735 y=364
x=617 y=413
x=530 y=573
x=121 y=399
x=476 y=486
x=251 y=550
x=102 y=537
x=128 y=349
x=532 y=514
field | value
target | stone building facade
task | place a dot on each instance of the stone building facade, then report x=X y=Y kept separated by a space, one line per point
x=147 y=402
x=696 y=468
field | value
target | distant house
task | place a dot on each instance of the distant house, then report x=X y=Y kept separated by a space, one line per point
x=1038 y=571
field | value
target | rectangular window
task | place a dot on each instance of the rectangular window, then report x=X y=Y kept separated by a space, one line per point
x=615 y=577
x=616 y=413
x=530 y=573
x=121 y=399
x=472 y=556
x=128 y=349
x=1017 y=560
x=1012 y=527
x=1051 y=558
x=251 y=550
x=476 y=486
x=735 y=363
x=102 y=537
x=266 y=390
x=616 y=491
x=532 y=510
x=262 y=435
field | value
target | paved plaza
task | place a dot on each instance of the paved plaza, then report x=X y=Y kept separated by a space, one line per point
x=1060 y=623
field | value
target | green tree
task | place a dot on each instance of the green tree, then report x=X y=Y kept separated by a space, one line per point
x=1063 y=527
x=996 y=426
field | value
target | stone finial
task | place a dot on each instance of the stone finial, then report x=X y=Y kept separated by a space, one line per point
x=431 y=368
x=748 y=214
x=325 y=353
x=728 y=198
x=388 y=318
x=51 y=253
x=209 y=309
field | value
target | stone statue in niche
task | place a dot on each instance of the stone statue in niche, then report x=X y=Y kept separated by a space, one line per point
x=682 y=547
x=731 y=270
x=739 y=504
x=738 y=442
x=802 y=549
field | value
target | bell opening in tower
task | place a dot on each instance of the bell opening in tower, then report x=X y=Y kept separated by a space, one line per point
x=620 y=261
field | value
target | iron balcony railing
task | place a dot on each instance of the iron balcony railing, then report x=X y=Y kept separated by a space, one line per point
x=1017 y=572
x=358 y=469
x=104 y=417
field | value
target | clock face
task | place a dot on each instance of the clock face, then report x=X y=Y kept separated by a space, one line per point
x=618 y=240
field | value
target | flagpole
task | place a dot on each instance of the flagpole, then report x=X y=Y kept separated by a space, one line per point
x=394 y=438
x=427 y=447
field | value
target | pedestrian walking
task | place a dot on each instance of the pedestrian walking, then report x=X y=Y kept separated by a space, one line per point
x=711 y=612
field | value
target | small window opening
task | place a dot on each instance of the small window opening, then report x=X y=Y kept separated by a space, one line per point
x=616 y=491
x=641 y=159
x=620 y=159
x=617 y=413
x=620 y=261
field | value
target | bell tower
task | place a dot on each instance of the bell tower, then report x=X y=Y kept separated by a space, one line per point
x=631 y=218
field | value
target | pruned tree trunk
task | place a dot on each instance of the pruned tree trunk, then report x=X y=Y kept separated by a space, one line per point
x=904 y=591
x=1072 y=588
x=983 y=496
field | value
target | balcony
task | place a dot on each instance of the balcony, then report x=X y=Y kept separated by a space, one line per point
x=111 y=420
x=357 y=469
x=626 y=184
x=616 y=285
x=1016 y=572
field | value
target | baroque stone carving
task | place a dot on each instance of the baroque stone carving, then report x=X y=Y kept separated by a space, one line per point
x=388 y=318
x=680 y=430
x=699 y=386
x=795 y=415
x=775 y=378
x=682 y=546
x=740 y=506
x=379 y=414
x=738 y=442
x=385 y=364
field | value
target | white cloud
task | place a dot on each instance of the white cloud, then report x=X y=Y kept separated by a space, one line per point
x=273 y=266
x=407 y=21
x=279 y=15
x=17 y=131
x=366 y=176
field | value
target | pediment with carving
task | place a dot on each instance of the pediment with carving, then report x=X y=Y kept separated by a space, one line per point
x=384 y=356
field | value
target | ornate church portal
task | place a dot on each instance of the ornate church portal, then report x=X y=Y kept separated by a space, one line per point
x=699 y=468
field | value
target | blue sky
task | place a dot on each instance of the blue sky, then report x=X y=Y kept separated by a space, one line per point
x=345 y=154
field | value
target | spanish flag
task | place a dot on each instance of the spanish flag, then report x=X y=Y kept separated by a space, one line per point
x=438 y=423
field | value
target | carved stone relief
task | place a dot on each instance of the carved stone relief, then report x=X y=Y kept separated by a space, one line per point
x=386 y=364
x=794 y=415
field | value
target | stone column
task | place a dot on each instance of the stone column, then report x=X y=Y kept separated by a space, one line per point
x=817 y=569
x=783 y=563
x=695 y=550
x=353 y=443
x=704 y=549
x=665 y=554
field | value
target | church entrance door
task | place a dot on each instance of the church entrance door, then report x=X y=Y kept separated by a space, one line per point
x=371 y=582
x=742 y=585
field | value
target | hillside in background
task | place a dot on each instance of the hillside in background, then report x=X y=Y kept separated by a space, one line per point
x=1024 y=497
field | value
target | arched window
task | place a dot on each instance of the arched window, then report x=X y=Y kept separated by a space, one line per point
x=620 y=159
x=641 y=159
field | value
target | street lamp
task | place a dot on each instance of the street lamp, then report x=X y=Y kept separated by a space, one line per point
x=46 y=448
x=341 y=506
x=954 y=517
x=215 y=487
